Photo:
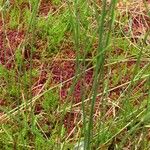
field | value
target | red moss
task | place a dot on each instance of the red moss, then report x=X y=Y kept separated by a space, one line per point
x=8 y=46
x=64 y=70
x=45 y=7
x=70 y=121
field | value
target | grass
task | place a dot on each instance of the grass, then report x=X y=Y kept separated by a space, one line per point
x=74 y=75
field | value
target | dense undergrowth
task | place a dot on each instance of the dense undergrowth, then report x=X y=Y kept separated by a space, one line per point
x=74 y=75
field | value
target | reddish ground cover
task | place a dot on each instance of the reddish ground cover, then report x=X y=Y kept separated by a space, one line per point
x=63 y=70
x=8 y=44
x=46 y=6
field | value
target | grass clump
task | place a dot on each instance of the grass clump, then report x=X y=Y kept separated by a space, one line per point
x=78 y=78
